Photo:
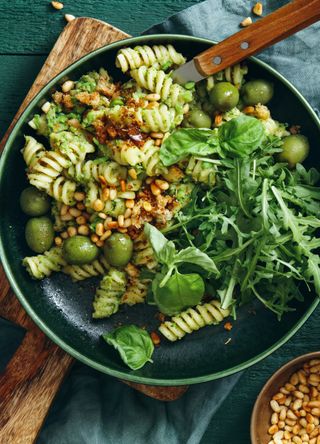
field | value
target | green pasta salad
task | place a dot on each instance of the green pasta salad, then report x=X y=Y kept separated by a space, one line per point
x=191 y=198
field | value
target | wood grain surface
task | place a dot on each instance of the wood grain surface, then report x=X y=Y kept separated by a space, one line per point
x=38 y=367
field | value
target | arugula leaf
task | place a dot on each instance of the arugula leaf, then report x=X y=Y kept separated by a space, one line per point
x=241 y=136
x=133 y=344
x=185 y=141
x=180 y=291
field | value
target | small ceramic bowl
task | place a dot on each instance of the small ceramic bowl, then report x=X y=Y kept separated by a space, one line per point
x=261 y=414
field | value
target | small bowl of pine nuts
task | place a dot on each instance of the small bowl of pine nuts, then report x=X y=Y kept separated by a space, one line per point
x=287 y=410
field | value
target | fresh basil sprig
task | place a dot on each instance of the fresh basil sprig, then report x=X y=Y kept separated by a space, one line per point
x=174 y=291
x=237 y=138
x=133 y=344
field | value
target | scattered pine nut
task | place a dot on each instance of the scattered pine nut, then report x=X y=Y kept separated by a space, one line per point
x=98 y=205
x=246 y=22
x=45 y=107
x=123 y=185
x=155 y=190
x=58 y=241
x=155 y=338
x=132 y=173
x=258 y=9
x=69 y=17
x=227 y=326
x=67 y=86
x=84 y=230
x=57 y=5
x=130 y=203
x=72 y=231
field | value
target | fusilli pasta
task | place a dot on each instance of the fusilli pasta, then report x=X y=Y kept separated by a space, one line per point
x=43 y=265
x=193 y=319
x=201 y=171
x=32 y=151
x=86 y=271
x=108 y=294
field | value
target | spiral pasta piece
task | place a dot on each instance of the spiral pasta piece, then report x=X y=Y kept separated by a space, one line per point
x=90 y=170
x=63 y=190
x=108 y=294
x=193 y=319
x=162 y=119
x=47 y=169
x=201 y=171
x=73 y=146
x=127 y=154
x=32 y=151
x=233 y=74
x=43 y=265
x=133 y=58
x=151 y=161
x=86 y=271
x=159 y=82
x=143 y=255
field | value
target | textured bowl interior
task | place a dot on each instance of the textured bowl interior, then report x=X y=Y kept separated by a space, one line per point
x=63 y=308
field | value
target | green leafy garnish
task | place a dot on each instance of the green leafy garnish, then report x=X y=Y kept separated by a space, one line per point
x=133 y=344
x=174 y=291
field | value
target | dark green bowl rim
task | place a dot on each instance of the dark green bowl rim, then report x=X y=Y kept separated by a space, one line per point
x=24 y=299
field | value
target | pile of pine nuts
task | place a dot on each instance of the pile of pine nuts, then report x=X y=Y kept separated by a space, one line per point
x=296 y=408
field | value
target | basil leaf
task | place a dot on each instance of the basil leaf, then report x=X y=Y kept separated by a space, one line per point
x=197 y=257
x=179 y=292
x=155 y=237
x=241 y=136
x=185 y=141
x=133 y=344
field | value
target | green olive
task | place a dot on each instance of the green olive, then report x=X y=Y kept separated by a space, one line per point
x=257 y=91
x=118 y=249
x=39 y=234
x=224 y=96
x=295 y=149
x=79 y=250
x=199 y=119
x=34 y=202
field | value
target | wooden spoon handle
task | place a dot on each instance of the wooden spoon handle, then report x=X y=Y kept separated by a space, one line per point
x=265 y=32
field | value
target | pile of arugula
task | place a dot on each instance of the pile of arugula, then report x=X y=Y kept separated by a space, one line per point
x=251 y=236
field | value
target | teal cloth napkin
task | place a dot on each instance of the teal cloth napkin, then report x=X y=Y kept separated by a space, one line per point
x=92 y=408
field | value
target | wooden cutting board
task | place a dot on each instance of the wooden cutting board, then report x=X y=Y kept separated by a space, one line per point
x=34 y=374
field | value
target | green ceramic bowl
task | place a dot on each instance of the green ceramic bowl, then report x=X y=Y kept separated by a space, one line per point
x=62 y=309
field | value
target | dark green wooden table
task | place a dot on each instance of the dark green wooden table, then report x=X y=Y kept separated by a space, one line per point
x=28 y=30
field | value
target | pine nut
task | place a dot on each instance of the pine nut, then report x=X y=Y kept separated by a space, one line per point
x=315 y=411
x=278 y=435
x=123 y=185
x=246 y=22
x=297 y=440
x=284 y=391
x=99 y=229
x=277 y=396
x=127 y=213
x=303 y=422
x=74 y=212
x=102 y=216
x=122 y=230
x=99 y=243
x=298 y=394
x=113 y=193
x=130 y=203
x=296 y=429
x=157 y=135
x=127 y=222
x=274 y=418
x=149 y=180
x=98 y=205
x=294 y=380
x=297 y=404
x=281 y=424
x=132 y=173
x=72 y=231
x=69 y=17
x=287 y=435
x=314 y=404
x=153 y=97
x=121 y=220
x=314 y=377
x=305 y=437
x=147 y=206
x=66 y=217
x=258 y=9
x=290 y=387
x=302 y=377
x=303 y=388
x=290 y=422
x=288 y=401
x=275 y=406
x=313 y=441
x=309 y=418
x=158 y=142
x=155 y=190
x=67 y=86
x=94 y=238
x=112 y=224
x=45 y=107
x=291 y=415
x=105 y=194
x=84 y=230
x=57 y=5
x=310 y=428
x=283 y=414
x=186 y=108
x=303 y=412
x=288 y=428
x=162 y=184
x=273 y=429
x=64 y=209
x=80 y=206
x=105 y=235
x=64 y=235
x=58 y=241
